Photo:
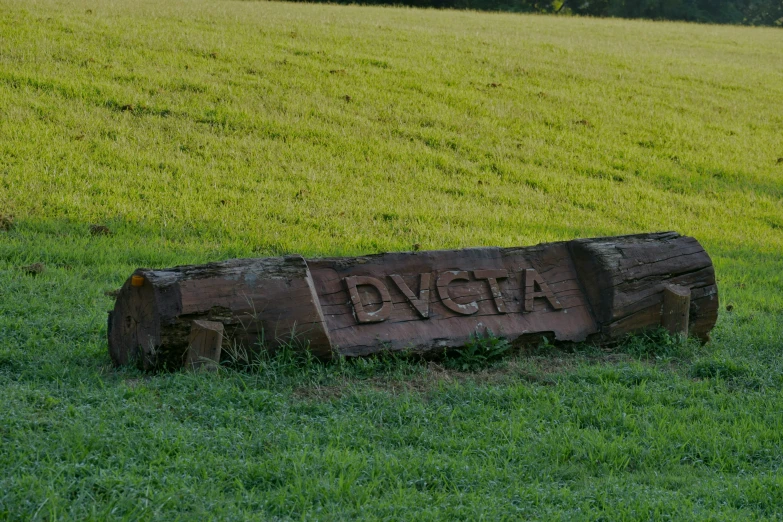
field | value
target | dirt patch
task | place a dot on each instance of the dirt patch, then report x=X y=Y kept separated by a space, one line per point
x=34 y=269
x=543 y=370
x=6 y=222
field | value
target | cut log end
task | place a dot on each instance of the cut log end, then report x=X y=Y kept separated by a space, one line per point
x=625 y=277
x=134 y=324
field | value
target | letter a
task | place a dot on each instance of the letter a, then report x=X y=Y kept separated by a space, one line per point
x=533 y=279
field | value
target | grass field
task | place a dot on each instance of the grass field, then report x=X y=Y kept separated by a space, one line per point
x=202 y=130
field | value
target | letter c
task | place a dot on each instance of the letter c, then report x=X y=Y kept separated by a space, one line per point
x=443 y=292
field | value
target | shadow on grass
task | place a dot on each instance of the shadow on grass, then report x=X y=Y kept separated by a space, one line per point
x=485 y=359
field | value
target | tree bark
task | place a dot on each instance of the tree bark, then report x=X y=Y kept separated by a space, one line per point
x=596 y=290
x=624 y=278
x=262 y=303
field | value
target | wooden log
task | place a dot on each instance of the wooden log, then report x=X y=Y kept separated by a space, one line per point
x=676 y=309
x=260 y=302
x=583 y=290
x=204 y=345
x=624 y=277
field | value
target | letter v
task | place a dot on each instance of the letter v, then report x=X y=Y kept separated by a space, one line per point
x=422 y=303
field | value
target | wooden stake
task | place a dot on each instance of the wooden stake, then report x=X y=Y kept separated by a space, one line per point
x=676 y=307
x=205 y=342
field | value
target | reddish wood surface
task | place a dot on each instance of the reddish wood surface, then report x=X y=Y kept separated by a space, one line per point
x=259 y=301
x=589 y=289
x=460 y=302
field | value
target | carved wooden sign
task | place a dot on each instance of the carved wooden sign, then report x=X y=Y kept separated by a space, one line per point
x=588 y=289
x=431 y=300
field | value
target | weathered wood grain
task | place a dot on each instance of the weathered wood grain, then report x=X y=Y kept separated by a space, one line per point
x=205 y=345
x=676 y=309
x=588 y=289
x=624 y=278
x=265 y=302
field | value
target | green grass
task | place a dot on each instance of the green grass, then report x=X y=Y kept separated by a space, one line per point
x=202 y=130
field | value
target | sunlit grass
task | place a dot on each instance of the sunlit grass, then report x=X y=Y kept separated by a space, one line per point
x=202 y=130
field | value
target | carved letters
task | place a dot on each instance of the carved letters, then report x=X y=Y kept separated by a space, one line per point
x=533 y=279
x=443 y=292
x=421 y=303
x=362 y=316
x=492 y=277
x=533 y=286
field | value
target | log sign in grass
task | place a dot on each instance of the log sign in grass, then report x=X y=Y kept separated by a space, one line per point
x=595 y=290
